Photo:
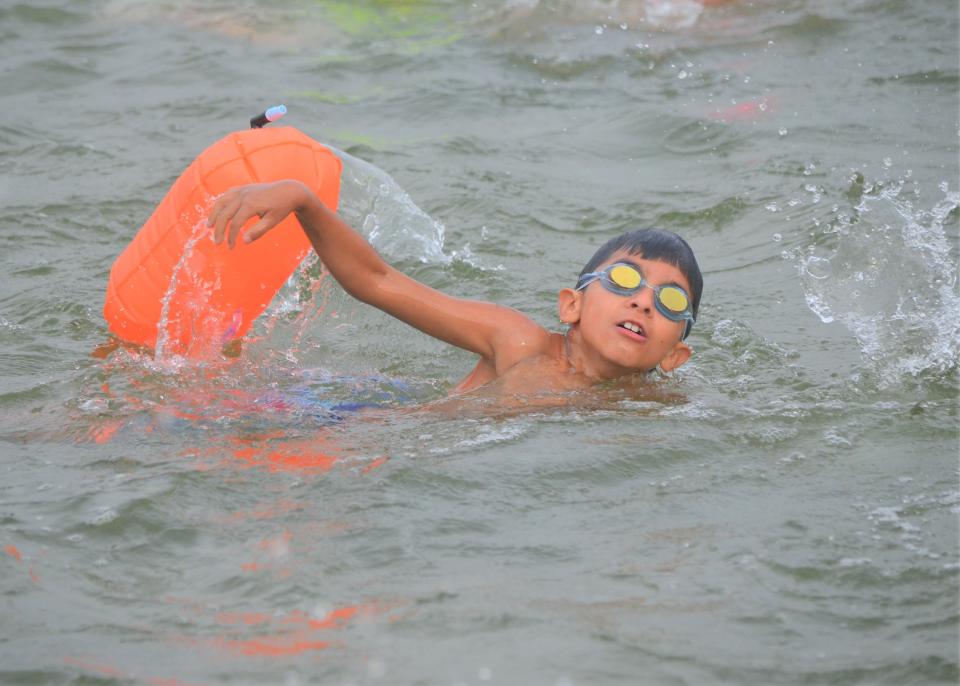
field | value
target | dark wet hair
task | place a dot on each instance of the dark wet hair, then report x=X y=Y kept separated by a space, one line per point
x=655 y=244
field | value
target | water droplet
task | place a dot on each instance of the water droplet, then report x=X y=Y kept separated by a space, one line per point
x=817 y=267
x=682 y=75
x=782 y=131
x=777 y=238
x=598 y=30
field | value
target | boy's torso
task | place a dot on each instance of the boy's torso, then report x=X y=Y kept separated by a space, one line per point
x=545 y=370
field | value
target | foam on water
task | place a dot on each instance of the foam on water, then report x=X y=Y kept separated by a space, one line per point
x=887 y=272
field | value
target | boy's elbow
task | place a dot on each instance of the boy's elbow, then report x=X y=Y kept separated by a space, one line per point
x=374 y=287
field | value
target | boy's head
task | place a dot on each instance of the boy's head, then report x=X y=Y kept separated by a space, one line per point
x=635 y=301
x=659 y=245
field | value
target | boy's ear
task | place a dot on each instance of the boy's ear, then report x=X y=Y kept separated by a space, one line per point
x=679 y=354
x=568 y=305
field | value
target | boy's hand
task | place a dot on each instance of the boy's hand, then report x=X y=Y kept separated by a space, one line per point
x=272 y=202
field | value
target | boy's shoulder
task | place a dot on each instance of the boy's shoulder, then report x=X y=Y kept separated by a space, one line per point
x=529 y=378
x=519 y=337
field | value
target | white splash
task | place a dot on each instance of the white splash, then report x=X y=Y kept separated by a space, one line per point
x=198 y=231
x=672 y=14
x=374 y=204
x=888 y=275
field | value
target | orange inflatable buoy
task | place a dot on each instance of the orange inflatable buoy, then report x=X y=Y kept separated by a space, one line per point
x=173 y=289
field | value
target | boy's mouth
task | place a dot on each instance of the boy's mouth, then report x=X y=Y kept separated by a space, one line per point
x=634 y=330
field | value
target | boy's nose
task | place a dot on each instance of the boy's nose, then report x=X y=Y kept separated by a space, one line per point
x=643 y=300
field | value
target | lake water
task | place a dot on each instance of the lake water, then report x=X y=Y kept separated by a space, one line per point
x=782 y=510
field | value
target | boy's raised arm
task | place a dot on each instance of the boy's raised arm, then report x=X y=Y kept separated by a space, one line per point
x=489 y=330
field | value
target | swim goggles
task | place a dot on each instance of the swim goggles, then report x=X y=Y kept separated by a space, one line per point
x=625 y=279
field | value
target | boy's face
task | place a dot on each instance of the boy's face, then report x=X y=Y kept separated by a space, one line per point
x=613 y=349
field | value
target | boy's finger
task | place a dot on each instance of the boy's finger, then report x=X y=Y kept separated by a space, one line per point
x=218 y=206
x=267 y=222
x=241 y=217
x=225 y=208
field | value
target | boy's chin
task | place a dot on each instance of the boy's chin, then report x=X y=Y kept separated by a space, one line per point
x=622 y=365
x=631 y=362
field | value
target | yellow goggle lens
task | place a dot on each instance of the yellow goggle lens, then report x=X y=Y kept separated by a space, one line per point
x=625 y=277
x=673 y=299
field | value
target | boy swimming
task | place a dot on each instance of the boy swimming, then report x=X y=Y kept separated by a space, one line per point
x=630 y=311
